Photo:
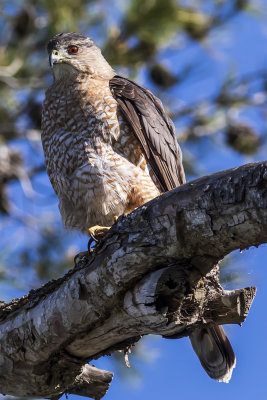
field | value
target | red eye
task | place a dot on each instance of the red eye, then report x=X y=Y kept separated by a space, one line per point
x=73 y=50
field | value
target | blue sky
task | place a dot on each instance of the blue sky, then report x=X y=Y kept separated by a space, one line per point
x=174 y=371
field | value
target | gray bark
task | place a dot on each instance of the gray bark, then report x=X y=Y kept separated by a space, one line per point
x=156 y=272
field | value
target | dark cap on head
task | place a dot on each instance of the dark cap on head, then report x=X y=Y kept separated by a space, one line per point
x=66 y=39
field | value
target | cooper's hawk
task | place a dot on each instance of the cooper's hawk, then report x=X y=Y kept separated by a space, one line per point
x=110 y=147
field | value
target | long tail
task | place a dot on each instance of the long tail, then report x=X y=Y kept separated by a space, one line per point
x=214 y=351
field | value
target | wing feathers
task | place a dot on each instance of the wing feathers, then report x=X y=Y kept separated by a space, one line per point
x=153 y=128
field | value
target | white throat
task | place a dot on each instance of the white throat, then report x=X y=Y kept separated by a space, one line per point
x=64 y=70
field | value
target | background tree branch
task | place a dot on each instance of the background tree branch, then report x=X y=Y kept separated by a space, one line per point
x=155 y=272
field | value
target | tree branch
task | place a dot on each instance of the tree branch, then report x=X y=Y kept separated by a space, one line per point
x=156 y=272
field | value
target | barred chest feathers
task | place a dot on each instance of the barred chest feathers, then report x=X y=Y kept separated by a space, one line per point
x=91 y=155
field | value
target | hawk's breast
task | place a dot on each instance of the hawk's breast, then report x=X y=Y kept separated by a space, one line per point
x=93 y=159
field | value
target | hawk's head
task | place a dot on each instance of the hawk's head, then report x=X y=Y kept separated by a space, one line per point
x=73 y=54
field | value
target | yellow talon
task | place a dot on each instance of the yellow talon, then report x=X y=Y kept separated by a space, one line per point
x=98 y=232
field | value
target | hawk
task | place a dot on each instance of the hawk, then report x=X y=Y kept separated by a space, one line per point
x=110 y=147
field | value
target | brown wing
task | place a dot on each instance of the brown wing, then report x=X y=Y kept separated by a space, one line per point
x=153 y=128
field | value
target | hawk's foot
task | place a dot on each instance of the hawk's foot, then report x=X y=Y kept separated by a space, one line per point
x=98 y=232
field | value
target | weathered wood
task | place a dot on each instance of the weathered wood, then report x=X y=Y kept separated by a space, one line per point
x=146 y=276
x=206 y=303
x=92 y=382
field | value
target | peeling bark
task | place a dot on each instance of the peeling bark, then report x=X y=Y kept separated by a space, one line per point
x=156 y=272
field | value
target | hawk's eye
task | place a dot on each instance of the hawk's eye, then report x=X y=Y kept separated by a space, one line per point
x=73 y=50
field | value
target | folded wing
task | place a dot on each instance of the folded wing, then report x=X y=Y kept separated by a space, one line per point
x=153 y=128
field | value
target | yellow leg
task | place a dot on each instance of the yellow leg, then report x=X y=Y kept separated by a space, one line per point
x=98 y=232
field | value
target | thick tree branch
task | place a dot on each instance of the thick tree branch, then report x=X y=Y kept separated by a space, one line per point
x=155 y=272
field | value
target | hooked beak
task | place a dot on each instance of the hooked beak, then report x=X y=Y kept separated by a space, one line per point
x=54 y=58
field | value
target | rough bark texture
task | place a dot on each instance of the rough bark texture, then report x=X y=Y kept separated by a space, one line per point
x=155 y=272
